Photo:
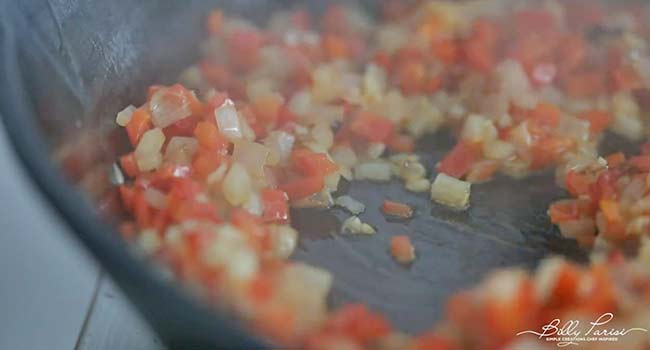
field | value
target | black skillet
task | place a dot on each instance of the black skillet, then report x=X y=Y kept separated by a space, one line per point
x=68 y=66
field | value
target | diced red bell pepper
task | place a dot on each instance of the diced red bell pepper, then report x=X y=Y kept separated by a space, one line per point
x=357 y=322
x=548 y=150
x=615 y=159
x=434 y=342
x=584 y=84
x=614 y=224
x=312 y=164
x=127 y=195
x=564 y=210
x=256 y=231
x=459 y=160
x=335 y=46
x=645 y=148
x=303 y=187
x=605 y=186
x=528 y=21
x=205 y=162
x=446 y=50
x=214 y=22
x=397 y=209
x=139 y=124
x=577 y=183
x=412 y=75
x=402 y=249
x=546 y=114
x=371 y=127
x=276 y=207
x=183 y=127
x=129 y=164
x=598 y=120
x=244 y=48
x=267 y=108
x=401 y=143
x=210 y=138
x=141 y=210
x=641 y=163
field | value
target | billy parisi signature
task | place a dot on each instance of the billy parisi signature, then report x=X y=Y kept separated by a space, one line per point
x=570 y=332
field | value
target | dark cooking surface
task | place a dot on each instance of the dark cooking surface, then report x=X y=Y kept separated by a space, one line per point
x=90 y=58
x=506 y=225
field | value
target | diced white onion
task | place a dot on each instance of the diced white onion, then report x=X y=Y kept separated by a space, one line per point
x=149 y=241
x=344 y=156
x=417 y=185
x=181 y=149
x=147 y=153
x=254 y=205
x=498 y=149
x=354 y=225
x=155 y=198
x=237 y=187
x=478 y=129
x=150 y=143
x=124 y=116
x=350 y=204
x=284 y=239
x=280 y=144
x=167 y=107
x=574 y=128
x=373 y=170
x=149 y=162
x=252 y=156
x=228 y=120
x=450 y=191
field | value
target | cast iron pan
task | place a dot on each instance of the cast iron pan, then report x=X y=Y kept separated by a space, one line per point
x=68 y=66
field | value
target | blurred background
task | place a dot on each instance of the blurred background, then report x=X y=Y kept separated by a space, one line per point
x=52 y=294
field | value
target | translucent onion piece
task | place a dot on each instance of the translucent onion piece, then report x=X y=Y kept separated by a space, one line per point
x=283 y=240
x=574 y=128
x=149 y=162
x=180 y=150
x=304 y=289
x=124 y=116
x=280 y=144
x=147 y=153
x=252 y=156
x=450 y=191
x=150 y=143
x=155 y=198
x=228 y=120
x=478 y=129
x=374 y=170
x=344 y=156
x=350 y=204
x=237 y=187
x=167 y=107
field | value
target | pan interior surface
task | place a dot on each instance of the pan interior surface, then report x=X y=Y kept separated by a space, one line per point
x=96 y=57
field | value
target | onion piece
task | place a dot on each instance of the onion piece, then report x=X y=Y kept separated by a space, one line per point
x=354 y=225
x=451 y=192
x=374 y=171
x=168 y=106
x=124 y=116
x=280 y=144
x=180 y=150
x=147 y=153
x=155 y=198
x=350 y=204
x=237 y=186
x=228 y=120
x=284 y=239
x=150 y=143
x=252 y=156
